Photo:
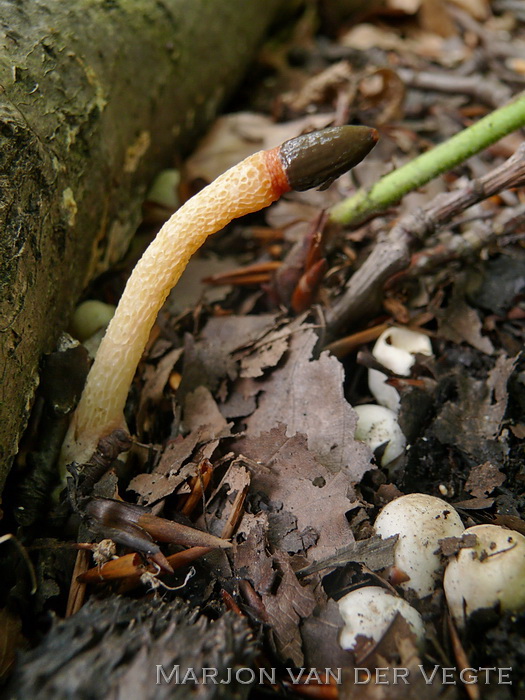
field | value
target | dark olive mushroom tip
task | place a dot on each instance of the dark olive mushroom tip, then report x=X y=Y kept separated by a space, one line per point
x=318 y=158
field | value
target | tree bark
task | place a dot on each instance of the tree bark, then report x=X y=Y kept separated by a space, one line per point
x=95 y=97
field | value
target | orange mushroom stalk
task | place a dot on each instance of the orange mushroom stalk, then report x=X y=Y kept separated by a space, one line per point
x=312 y=160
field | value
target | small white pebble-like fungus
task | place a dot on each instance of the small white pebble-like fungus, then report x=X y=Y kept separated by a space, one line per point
x=395 y=349
x=420 y=521
x=164 y=189
x=370 y=610
x=490 y=573
x=89 y=317
x=377 y=425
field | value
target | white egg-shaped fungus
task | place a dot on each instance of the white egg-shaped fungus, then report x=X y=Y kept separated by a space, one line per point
x=370 y=610
x=89 y=317
x=420 y=521
x=377 y=425
x=395 y=349
x=490 y=573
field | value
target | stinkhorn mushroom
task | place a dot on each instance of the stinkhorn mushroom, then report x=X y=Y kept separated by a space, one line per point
x=307 y=161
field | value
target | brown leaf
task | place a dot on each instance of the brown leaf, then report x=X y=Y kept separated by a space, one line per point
x=320 y=634
x=206 y=426
x=169 y=473
x=251 y=558
x=242 y=400
x=306 y=395
x=286 y=602
x=286 y=608
x=304 y=497
x=461 y=324
x=221 y=503
x=191 y=289
x=433 y=17
x=156 y=379
x=320 y=88
x=211 y=359
x=483 y=479
x=202 y=414
x=267 y=353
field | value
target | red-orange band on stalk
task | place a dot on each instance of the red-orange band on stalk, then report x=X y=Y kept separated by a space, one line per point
x=276 y=170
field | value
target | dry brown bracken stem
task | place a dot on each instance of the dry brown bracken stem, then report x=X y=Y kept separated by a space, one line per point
x=308 y=161
x=392 y=253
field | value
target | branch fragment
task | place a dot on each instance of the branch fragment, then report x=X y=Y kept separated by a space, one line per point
x=392 y=253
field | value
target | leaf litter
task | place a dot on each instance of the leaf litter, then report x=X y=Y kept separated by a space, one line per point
x=236 y=379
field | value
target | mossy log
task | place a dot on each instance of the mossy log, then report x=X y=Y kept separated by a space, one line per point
x=95 y=97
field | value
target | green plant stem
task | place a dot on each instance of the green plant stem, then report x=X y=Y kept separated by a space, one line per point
x=391 y=188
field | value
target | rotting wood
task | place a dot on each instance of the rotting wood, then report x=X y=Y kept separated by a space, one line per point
x=141 y=647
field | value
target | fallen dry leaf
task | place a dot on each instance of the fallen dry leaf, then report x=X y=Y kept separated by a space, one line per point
x=320 y=634
x=483 y=479
x=284 y=600
x=268 y=350
x=290 y=604
x=460 y=323
x=211 y=358
x=221 y=502
x=473 y=423
x=206 y=426
x=156 y=379
x=306 y=502
x=306 y=395
x=191 y=290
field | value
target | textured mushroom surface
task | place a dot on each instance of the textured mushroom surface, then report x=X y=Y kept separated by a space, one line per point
x=420 y=521
x=490 y=573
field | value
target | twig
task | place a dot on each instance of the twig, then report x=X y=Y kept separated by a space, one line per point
x=198 y=486
x=470 y=682
x=458 y=246
x=515 y=6
x=392 y=254
x=491 y=45
x=132 y=566
x=236 y=513
x=390 y=189
x=77 y=590
x=491 y=92
x=344 y=346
